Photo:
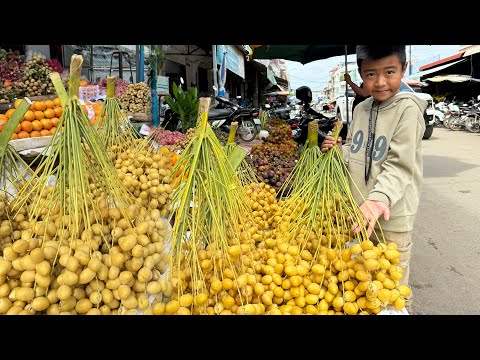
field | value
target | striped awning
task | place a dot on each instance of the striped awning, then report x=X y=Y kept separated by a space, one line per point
x=472 y=50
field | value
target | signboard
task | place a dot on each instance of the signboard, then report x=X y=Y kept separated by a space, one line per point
x=162 y=85
x=235 y=59
x=271 y=76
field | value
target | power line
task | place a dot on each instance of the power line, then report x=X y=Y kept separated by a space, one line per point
x=315 y=81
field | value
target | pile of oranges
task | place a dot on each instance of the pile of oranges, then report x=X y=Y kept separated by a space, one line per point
x=92 y=110
x=40 y=120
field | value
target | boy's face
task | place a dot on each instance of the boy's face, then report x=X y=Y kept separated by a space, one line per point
x=382 y=77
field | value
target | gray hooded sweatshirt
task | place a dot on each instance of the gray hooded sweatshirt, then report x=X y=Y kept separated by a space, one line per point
x=396 y=171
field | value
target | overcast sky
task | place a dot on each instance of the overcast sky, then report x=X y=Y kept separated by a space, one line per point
x=315 y=75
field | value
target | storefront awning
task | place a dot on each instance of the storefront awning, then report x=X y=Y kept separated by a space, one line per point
x=472 y=50
x=420 y=74
x=436 y=64
x=452 y=78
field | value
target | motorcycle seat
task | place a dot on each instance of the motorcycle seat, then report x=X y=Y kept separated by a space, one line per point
x=282 y=111
x=243 y=111
x=218 y=114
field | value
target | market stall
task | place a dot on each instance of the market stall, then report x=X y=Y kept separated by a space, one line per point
x=113 y=223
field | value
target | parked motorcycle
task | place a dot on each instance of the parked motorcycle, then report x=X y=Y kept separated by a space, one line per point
x=299 y=124
x=459 y=122
x=472 y=122
x=227 y=112
x=282 y=112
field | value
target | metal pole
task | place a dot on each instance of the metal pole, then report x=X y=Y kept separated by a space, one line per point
x=410 y=61
x=346 y=85
x=92 y=78
x=155 y=109
x=140 y=63
x=120 y=65
x=255 y=91
x=214 y=61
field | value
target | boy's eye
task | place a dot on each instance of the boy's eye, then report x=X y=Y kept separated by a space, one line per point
x=390 y=72
x=369 y=74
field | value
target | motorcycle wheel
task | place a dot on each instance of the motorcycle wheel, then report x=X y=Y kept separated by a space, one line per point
x=451 y=121
x=246 y=130
x=456 y=124
x=472 y=125
x=446 y=123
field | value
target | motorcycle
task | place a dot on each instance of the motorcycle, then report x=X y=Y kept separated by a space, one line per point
x=283 y=112
x=227 y=112
x=299 y=124
x=472 y=122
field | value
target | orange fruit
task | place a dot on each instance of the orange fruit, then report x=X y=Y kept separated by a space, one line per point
x=37 y=125
x=39 y=105
x=14 y=136
x=39 y=115
x=26 y=126
x=9 y=112
x=55 y=121
x=32 y=107
x=49 y=113
x=58 y=111
x=35 y=133
x=18 y=129
x=17 y=103
x=45 y=132
x=23 y=135
x=57 y=102
x=52 y=130
x=49 y=104
x=29 y=116
x=46 y=124
x=3 y=121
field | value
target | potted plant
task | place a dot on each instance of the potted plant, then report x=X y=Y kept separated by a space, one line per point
x=185 y=104
x=263 y=117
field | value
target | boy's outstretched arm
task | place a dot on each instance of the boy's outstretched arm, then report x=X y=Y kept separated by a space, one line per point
x=371 y=211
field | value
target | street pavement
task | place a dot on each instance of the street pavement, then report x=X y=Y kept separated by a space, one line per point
x=445 y=263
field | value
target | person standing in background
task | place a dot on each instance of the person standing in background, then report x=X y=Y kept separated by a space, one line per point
x=360 y=92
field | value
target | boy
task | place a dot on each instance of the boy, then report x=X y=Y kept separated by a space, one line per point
x=383 y=150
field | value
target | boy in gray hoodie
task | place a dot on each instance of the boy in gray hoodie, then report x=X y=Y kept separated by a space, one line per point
x=383 y=150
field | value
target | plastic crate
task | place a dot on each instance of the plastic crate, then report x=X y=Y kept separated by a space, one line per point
x=89 y=92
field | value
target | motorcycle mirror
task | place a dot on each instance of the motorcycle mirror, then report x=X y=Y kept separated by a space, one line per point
x=267 y=106
x=239 y=97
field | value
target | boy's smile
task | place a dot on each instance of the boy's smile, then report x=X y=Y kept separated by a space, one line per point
x=382 y=77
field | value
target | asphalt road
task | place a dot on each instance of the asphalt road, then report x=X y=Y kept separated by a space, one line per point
x=445 y=263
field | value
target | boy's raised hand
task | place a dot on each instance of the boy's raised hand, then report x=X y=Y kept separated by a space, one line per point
x=329 y=142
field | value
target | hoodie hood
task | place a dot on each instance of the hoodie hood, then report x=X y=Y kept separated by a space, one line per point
x=395 y=100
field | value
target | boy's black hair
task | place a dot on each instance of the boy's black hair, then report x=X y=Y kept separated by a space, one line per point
x=375 y=52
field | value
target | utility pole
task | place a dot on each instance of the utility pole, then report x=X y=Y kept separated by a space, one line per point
x=410 y=61
x=214 y=61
